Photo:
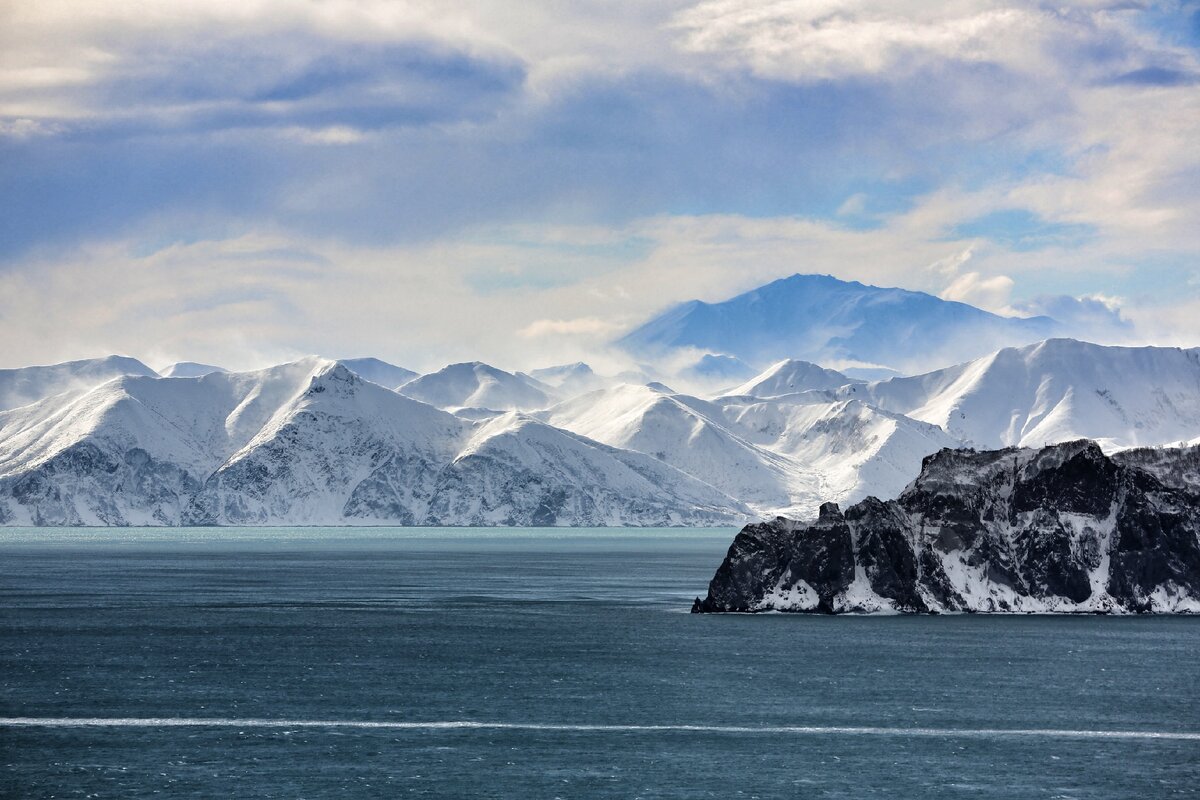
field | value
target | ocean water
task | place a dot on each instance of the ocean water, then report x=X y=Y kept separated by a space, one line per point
x=533 y=663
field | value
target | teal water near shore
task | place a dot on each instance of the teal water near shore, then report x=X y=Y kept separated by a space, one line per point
x=545 y=663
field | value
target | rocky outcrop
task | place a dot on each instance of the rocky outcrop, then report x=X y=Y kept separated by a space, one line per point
x=1062 y=529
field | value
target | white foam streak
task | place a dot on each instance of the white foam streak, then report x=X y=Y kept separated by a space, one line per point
x=442 y=725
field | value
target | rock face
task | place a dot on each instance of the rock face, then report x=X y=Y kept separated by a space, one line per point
x=1062 y=529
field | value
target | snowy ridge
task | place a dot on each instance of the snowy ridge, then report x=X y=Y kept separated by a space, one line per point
x=189 y=369
x=313 y=443
x=377 y=371
x=790 y=377
x=25 y=385
x=1064 y=529
x=477 y=385
x=780 y=455
x=1055 y=391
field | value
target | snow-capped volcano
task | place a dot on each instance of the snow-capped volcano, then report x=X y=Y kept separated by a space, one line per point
x=820 y=318
x=1054 y=391
x=26 y=385
x=477 y=385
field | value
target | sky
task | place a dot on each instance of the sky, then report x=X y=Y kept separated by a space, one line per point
x=242 y=182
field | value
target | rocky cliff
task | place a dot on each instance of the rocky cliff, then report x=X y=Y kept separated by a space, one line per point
x=1065 y=528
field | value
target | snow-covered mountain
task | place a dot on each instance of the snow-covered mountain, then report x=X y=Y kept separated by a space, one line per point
x=1063 y=529
x=1055 y=391
x=716 y=372
x=313 y=443
x=26 y=385
x=189 y=369
x=779 y=455
x=380 y=372
x=569 y=380
x=853 y=449
x=790 y=376
x=691 y=435
x=516 y=470
x=820 y=318
x=477 y=385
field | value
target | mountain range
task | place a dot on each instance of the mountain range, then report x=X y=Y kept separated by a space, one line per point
x=360 y=441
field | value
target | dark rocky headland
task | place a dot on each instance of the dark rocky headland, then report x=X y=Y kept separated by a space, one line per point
x=1063 y=529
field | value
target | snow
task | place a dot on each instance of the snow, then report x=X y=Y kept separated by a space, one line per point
x=377 y=371
x=327 y=444
x=1054 y=391
x=189 y=369
x=796 y=597
x=789 y=377
x=477 y=385
x=312 y=443
x=860 y=598
x=570 y=379
x=25 y=385
x=822 y=319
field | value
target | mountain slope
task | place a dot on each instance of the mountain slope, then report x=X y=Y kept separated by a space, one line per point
x=715 y=373
x=306 y=464
x=851 y=449
x=477 y=385
x=189 y=369
x=1063 y=529
x=820 y=318
x=517 y=470
x=1055 y=391
x=380 y=372
x=569 y=379
x=313 y=443
x=790 y=376
x=135 y=450
x=19 y=387
x=779 y=455
x=690 y=435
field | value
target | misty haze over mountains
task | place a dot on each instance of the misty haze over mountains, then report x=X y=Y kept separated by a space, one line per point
x=722 y=438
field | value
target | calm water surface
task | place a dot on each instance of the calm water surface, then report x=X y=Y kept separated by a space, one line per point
x=576 y=646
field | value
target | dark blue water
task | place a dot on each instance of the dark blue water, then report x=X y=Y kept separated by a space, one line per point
x=544 y=631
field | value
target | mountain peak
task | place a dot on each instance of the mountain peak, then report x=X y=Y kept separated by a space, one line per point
x=822 y=318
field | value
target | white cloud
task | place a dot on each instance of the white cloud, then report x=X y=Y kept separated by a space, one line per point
x=809 y=40
x=333 y=134
x=950 y=265
x=582 y=326
x=988 y=292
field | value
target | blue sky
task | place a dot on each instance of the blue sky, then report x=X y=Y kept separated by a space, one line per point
x=241 y=182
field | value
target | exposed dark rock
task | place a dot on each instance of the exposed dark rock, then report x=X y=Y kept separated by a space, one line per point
x=1061 y=529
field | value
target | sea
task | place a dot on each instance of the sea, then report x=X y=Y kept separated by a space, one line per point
x=543 y=663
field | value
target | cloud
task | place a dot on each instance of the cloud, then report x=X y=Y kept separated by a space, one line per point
x=991 y=293
x=821 y=40
x=949 y=266
x=1096 y=318
x=297 y=173
x=582 y=326
x=1019 y=229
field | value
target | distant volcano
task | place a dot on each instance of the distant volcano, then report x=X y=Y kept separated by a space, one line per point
x=820 y=318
